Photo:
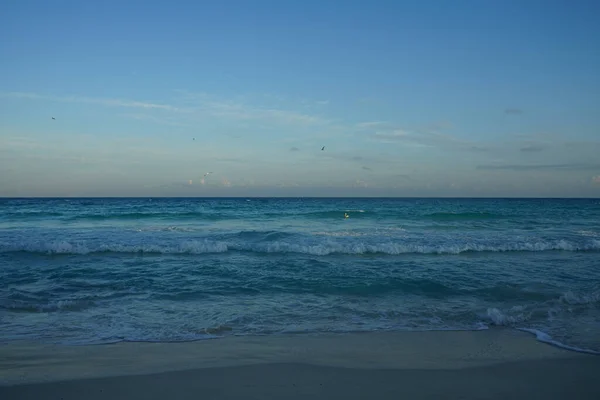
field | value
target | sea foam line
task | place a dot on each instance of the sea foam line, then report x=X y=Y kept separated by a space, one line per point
x=545 y=338
x=316 y=248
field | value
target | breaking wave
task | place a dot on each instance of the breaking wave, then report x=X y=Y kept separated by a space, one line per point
x=273 y=243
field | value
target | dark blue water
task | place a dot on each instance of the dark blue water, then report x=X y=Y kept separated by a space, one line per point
x=107 y=270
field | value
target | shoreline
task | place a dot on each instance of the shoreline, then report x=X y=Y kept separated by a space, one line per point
x=538 y=335
x=25 y=362
x=547 y=339
x=495 y=363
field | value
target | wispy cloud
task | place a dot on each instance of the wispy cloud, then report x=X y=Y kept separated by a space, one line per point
x=92 y=100
x=596 y=179
x=431 y=135
x=371 y=124
x=294 y=149
x=514 y=111
x=193 y=105
x=419 y=138
x=397 y=134
x=360 y=183
x=366 y=168
x=237 y=108
x=158 y=120
x=247 y=112
x=533 y=167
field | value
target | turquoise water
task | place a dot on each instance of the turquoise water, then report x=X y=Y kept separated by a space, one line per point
x=82 y=271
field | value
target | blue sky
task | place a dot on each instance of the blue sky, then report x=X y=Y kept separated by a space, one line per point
x=432 y=98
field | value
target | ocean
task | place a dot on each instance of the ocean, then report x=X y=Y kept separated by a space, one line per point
x=93 y=271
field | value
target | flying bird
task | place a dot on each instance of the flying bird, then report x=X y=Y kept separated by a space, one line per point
x=322 y=148
x=53 y=118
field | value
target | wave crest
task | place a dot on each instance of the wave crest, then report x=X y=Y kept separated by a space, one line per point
x=55 y=306
x=286 y=245
x=572 y=298
x=461 y=216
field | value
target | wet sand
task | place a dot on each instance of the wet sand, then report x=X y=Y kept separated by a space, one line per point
x=494 y=364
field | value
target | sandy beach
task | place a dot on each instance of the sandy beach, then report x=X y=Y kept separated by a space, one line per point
x=491 y=364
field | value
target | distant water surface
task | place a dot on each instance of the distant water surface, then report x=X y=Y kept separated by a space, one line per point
x=80 y=271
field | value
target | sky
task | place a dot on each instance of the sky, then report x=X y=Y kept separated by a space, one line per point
x=430 y=98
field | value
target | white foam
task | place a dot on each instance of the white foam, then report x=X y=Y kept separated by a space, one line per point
x=188 y=247
x=60 y=305
x=63 y=247
x=58 y=247
x=322 y=248
x=580 y=298
x=396 y=248
x=515 y=314
x=166 y=229
x=544 y=337
x=341 y=234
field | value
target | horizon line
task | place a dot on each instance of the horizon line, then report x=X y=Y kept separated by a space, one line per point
x=297 y=197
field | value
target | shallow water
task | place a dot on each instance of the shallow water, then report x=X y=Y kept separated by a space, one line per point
x=108 y=270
